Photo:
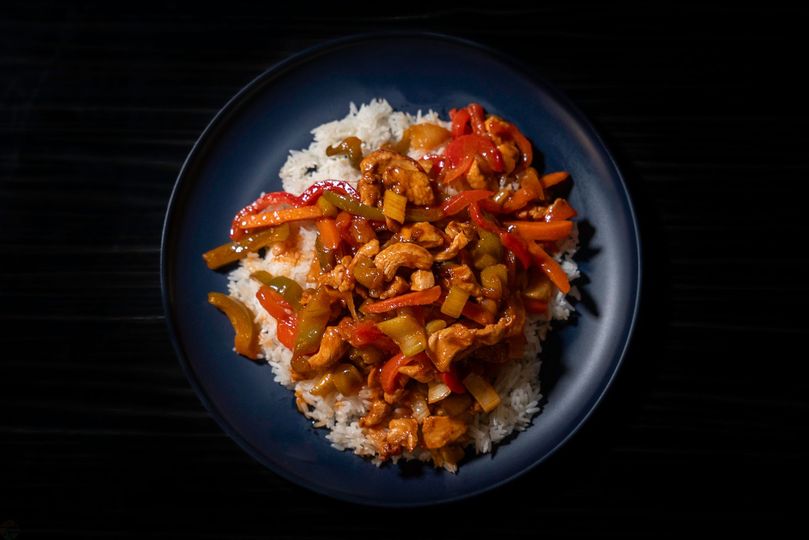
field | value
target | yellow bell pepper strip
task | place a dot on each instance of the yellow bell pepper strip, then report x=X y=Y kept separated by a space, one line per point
x=246 y=340
x=233 y=251
x=542 y=230
x=353 y=207
x=549 y=265
x=419 y=298
x=551 y=179
x=282 y=312
x=458 y=202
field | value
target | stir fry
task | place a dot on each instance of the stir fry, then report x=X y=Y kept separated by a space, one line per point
x=422 y=278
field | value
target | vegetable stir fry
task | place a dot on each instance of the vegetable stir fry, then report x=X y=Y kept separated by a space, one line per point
x=421 y=281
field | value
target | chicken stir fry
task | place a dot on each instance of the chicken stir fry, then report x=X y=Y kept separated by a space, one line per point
x=422 y=277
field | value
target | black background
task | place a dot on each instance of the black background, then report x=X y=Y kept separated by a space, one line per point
x=705 y=109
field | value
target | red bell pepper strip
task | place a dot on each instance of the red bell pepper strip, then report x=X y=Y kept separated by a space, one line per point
x=467 y=120
x=389 y=377
x=532 y=305
x=458 y=202
x=460 y=122
x=307 y=198
x=418 y=298
x=451 y=379
x=282 y=312
x=476 y=313
x=453 y=173
x=516 y=245
x=512 y=242
x=510 y=132
x=459 y=150
x=313 y=192
x=549 y=265
x=266 y=200
x=477 y=216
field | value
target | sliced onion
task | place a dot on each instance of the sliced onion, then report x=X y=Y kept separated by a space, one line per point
x=437 y=391
x=420 y=409
x=483 y=392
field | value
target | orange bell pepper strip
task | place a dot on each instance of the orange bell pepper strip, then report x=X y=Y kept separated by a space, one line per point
x=418 y=298
x=549 y=265
x=560 y=209
x=329 y=233
x=458 y=202
x=542 y=230
x=277 y=217
x=551 y=179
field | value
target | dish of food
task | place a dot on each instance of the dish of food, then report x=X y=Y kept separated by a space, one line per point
x=238 y=157
x=405 y=303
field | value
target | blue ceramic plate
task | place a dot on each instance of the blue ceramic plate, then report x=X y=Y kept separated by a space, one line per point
x=239 y=155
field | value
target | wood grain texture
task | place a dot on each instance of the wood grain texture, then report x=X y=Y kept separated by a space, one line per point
x=101 y=434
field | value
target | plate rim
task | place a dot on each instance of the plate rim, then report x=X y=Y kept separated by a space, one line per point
x=308 y=54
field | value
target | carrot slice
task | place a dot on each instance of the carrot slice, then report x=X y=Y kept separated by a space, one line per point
x=277 y=217
x=542 y=230
x=419 y=298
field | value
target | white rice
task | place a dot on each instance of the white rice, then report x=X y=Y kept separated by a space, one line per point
x=518 y=384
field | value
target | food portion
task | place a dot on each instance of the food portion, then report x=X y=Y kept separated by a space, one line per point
x=403 y=281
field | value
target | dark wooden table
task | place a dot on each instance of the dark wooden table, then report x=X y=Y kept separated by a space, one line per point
x=705 y=428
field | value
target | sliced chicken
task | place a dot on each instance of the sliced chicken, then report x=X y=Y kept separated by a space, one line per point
x=402 y=254
x=423 y=234
x=421 y=280
x=332 y=348
x=439 y=431
x=398 y=173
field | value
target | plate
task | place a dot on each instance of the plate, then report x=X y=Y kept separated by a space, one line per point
x=239 y=155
